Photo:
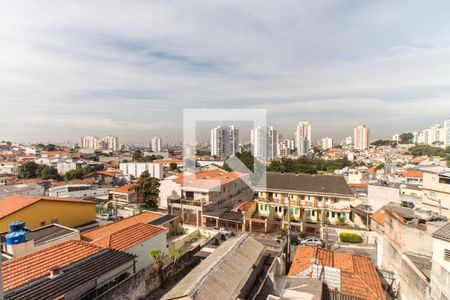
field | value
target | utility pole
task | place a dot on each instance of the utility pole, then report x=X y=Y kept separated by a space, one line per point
x=289 y=231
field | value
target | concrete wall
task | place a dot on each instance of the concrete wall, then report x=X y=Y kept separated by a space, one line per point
x=379 y=196
x=142 y=250
x=440 y=270
x=168 y=188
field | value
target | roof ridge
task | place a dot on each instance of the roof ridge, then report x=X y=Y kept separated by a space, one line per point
x=48 y=249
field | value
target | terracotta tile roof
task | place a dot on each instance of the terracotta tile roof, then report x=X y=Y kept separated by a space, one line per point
x=359 y=277
x=13 y=203
x=413 y=173
x=126 y=189
x=21 y=270
x=173 y=160
x=378 y=217
x=130 y=236
x=144 y=217
x=33 y=180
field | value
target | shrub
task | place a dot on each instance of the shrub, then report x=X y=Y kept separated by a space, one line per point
x=350 y=238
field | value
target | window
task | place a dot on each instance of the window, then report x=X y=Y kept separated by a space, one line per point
x=302 y=197
x=328 y=214
x=447 y=254
x=296 y=211
x=43 y=223
x=313 y=213
x=333 y=214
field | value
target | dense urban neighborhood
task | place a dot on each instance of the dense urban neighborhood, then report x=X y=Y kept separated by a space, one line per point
x=333 y=220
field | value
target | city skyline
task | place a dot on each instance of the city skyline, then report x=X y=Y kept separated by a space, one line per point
x=72 y=70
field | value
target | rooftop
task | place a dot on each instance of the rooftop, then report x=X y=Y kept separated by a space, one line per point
x=223 y=274
x=19 y=271
x=128 y=237
x=324 y=184
x=378 y=217
x=47 y=233
x=207 y=179
x=73 y=275
x=443 y=233
x=126 y=189
x=144 y=217
x=13 y=203
x=358 y=276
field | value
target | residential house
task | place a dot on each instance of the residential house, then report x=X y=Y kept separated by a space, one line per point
x=123 y=195
x=436 y=189
x=69 y=270
x=194 y=194
x=230 y=272
x=314 y=200
x=8 y=167
x=35 y=239
x=38 y=211
x=133 y=236
x=105 y=178
x=23 y=189
x=344 y=275
x=440 y=269
x=407 y=250
x=81 y=188
x=135 y=169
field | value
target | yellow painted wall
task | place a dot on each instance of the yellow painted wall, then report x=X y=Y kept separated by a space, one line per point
x=71 y=214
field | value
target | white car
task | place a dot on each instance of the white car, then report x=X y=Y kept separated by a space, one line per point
x=313 y=241
x=224 y=231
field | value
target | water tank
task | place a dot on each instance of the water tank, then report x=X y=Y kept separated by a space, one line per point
x=16 y=237
x=16 y=226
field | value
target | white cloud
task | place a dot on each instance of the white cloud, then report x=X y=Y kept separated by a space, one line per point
x=132 y=67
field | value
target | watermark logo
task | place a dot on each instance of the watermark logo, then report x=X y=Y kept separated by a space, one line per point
x=224 y=144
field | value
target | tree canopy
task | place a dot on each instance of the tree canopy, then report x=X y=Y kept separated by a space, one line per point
x=406 y=138
x=33 y=170
x=147 y=190
x=384 y=143
x=307 y=165
x=420 y=150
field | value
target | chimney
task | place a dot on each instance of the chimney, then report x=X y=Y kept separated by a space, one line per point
x=55 y=271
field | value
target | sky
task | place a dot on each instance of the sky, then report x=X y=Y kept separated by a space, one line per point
x=129 y=68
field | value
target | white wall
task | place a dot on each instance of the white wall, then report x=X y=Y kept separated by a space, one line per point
x=135 y=169
x=167 y=188
x=142 y=250
x=440 y=272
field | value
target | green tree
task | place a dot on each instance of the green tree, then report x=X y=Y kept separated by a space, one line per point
x=174 y=254
x=429 y=151
x=158 y=262
x=173 y=166
x=147 y=190
x=137 y=155
x=246 y=158
x=75 y=174
x=28 y=170
x=47 y=172
x=406 y=138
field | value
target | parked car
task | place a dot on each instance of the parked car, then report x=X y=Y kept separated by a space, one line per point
x=105 y=217
x=313 y=241
x=223 y=231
